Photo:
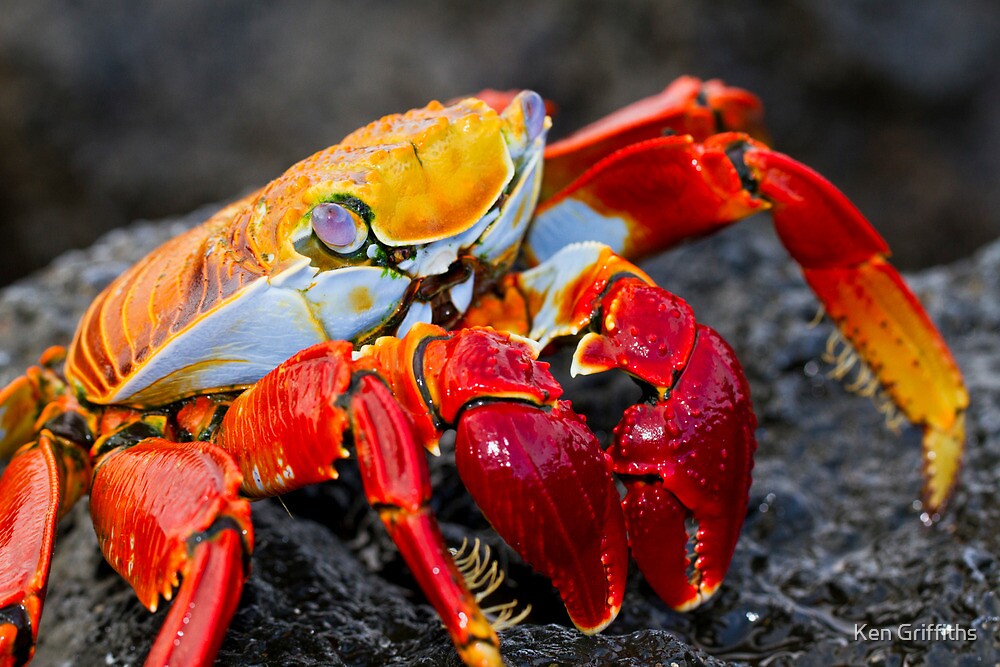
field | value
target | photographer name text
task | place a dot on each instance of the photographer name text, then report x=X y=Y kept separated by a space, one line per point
x=924 y=632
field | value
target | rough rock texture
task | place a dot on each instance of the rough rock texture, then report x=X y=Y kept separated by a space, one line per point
x=120 y=110
x=834 y=536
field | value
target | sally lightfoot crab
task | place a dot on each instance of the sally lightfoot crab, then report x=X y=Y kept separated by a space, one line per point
x=367 y=301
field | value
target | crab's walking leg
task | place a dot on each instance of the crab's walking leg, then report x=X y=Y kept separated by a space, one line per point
x=22 y=401
x=651 y=195
x=394 y=472
x=168 y=513
x=687 y=106
x=301 y=411
x=41 y=483
x=844 y=261
x=684 y=453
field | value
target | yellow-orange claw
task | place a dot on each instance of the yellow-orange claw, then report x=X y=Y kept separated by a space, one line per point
x=540 y=477
x=875 y=310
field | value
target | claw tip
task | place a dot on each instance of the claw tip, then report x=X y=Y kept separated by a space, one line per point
x=605 y=622
x=700 y=596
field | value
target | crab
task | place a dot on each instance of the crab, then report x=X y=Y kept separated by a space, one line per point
x=404 y=283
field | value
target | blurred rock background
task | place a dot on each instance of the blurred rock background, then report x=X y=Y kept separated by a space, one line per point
x=120 y=111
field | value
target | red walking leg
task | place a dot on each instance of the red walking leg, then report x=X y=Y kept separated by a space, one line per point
x=184 y=524
x=289 y=429
x=40 y=484
x=845 y=262
x=396 y=480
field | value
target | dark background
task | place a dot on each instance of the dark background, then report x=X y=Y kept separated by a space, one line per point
x=126 y=112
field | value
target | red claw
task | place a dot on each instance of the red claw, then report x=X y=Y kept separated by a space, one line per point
x=492 y=365
x=540 y=477
x=689 y=456
x=646 y=331
x=686 y=456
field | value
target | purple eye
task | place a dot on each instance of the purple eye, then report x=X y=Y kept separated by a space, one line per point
x=534 y=113
x=339 y=228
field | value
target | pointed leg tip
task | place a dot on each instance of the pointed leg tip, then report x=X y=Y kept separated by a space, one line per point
x=934 y=499
x=481 y=653
x=942 y=461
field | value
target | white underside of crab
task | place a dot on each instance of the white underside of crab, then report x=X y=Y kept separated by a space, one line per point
x=573 y=221
x=504 y=237
x=243 y=340
x=563 y=268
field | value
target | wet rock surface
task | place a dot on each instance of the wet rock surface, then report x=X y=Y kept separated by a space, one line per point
x=834 y=537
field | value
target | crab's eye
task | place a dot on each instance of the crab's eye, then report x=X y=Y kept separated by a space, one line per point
x=340 y=229
x=534 y=113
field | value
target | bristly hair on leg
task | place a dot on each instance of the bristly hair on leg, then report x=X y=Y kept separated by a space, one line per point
x=817 y=318
x=483 y=577
x=845 y=360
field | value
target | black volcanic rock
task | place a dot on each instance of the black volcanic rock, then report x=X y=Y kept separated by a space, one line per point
x=834 y=536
